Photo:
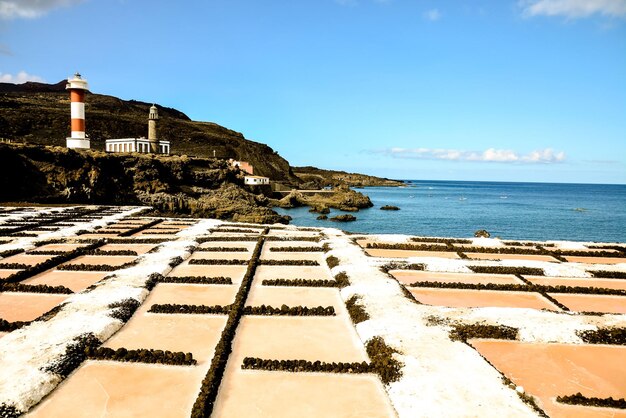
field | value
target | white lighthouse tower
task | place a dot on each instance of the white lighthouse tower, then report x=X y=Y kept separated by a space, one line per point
x=77 y=87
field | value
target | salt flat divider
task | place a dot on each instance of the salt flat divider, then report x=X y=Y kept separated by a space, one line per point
x=56 y=220
x=29 y=352
x=140 y=228
x=27 y=243
x=50 y=263
x=203 y=406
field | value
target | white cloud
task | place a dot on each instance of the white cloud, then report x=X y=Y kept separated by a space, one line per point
x=29 y=9
x=19 y=78
x=544 y=156
x=432 y=15
x=573 y=9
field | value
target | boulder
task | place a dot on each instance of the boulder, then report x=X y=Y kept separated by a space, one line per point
x=324 y=210
x=343 y=218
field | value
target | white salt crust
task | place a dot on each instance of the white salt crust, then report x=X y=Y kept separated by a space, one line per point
x=25 y=353
x=441 y=377
x=38 y=211
x=487 y=242
x=28 y=243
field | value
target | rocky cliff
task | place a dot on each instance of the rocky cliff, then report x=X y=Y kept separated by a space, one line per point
x=38 y=113
x=171 y=184
x=316 y=178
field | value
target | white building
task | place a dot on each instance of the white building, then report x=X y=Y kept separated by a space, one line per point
x=141 y=145
x=242 y=165
x=150 y=145
x=256 y=180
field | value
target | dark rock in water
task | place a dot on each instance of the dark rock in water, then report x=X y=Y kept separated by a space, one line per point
x=481 y=233
x=342 y=198
x=294 y=199
x=343 y=218
x=322 y=218
x=389 y=207
x=324 y=210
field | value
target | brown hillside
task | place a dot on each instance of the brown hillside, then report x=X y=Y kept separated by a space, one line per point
x=38 y=113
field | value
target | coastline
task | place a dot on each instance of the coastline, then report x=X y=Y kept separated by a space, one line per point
x=513 y=211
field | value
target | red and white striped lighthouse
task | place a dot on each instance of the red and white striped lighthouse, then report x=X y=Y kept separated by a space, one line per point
x=77 y=87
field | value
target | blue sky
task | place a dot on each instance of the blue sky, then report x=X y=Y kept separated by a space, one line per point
x=506 y=90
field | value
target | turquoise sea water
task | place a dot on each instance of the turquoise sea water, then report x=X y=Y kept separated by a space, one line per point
x=534 y=211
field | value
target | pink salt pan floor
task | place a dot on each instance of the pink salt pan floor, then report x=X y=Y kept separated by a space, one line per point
x=4 y=273
x=197 y=334
x=114 y=389
x=410 y=277
x=278 y=244
x=409 y=253
x=138 y=248
x=220 y=255
x=551 y=370
x=58 y=247
x=596 y=260
x=574 y=281
x=309 y=338
x=234 y=272
x=560 y=410
x=190 y=294
x=26 y=306
x=291 y=255
x=255 y=394
x=463 y=298
x=230 y=244
x=531 y=257
x=291 y=272
x=31 y=260
x=110 y=260
x=592 y=303
x=276 y=296
x=74 y=280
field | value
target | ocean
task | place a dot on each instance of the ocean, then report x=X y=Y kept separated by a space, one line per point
x=516 y=211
